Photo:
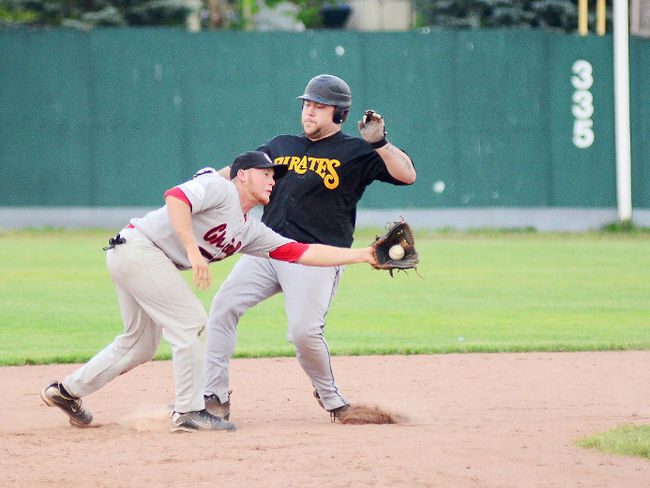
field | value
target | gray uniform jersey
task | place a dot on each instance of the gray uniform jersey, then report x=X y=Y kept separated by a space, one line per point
x=140 y=263
x=220 y=227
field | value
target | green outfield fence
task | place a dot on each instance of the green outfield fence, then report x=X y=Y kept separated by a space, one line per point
x=496 y=120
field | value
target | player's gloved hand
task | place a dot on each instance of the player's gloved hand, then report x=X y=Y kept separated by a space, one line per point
x=373 y=129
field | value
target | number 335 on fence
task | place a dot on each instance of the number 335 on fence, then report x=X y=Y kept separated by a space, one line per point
x=583 y=104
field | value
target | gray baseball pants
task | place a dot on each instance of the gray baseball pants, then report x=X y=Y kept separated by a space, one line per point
x=155 y=300
x=308 y=292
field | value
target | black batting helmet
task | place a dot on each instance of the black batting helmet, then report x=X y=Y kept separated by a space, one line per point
x=330 y=90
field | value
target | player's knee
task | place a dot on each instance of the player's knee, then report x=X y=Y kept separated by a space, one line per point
x=147 y=351
x=146 y=356
x=225 y=312
x=224 y=319
x=137 y=356
x=305 y=339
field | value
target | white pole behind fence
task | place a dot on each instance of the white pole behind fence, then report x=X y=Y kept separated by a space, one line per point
x=622 y=110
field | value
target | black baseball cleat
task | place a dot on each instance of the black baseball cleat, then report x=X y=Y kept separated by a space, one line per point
x=199 y=420
x=55 y=396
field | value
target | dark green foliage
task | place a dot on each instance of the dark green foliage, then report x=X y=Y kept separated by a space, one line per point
x=158 y=12
x=85 y=14
x=311 y=11
x=547 y=14
x=624 y=227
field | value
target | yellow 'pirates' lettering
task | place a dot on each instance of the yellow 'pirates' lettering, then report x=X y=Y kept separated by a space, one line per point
x=323 y=167
x=320 y=165
x=332 y=179
x=298 y=165
x=302 y=166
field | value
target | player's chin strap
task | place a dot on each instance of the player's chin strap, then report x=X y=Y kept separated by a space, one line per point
x=115 y=241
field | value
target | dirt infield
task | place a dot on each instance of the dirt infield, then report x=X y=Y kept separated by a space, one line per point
x=474 y=420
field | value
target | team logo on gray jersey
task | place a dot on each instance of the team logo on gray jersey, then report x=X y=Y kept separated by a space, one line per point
x=195 y=188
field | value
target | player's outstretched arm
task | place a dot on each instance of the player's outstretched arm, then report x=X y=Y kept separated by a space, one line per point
x=322 y=255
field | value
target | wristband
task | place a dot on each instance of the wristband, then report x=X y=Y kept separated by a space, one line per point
x=379 y=144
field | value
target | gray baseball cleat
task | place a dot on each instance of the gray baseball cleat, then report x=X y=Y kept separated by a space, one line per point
x=335 y=413
x=54 y=395
x=199 y=420
x=214 y=406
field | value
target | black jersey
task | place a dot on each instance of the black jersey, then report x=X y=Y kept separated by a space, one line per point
x=315 y=202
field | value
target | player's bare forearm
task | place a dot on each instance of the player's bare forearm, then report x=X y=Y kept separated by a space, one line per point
x=398 y=163
x=322 y=255
x=181 y=219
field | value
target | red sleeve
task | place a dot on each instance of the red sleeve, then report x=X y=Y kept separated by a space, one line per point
x=290 y=252
x=178 y=193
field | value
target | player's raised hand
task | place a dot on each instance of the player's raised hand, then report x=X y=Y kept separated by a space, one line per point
x=372 y=127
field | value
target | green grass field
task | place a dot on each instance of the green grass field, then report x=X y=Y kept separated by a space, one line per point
x=483 y=291
x=628 y=440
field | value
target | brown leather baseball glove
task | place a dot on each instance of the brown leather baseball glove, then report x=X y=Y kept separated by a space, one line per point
x=398 y=235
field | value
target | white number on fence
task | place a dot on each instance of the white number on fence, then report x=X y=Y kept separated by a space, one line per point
x=583 y=104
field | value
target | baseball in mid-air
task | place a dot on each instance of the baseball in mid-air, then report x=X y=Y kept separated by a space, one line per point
x=396 y=252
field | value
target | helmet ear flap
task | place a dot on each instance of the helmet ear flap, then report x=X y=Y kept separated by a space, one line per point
x=340 y=116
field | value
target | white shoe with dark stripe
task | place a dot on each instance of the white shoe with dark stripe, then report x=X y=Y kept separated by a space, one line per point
x=72 y=406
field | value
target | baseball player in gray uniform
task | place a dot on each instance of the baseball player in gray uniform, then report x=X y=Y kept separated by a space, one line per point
x=203 y=220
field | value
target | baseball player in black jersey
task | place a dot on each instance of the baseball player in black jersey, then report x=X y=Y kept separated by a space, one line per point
x=315 y=202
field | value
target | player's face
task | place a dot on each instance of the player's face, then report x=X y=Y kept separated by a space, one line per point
x=317 y=120
x=261 y=183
